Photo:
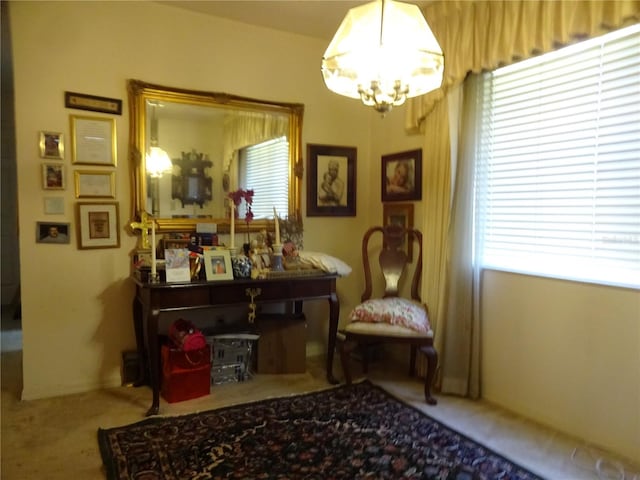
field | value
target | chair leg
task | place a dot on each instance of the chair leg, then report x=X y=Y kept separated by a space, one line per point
x=365 y=353
x=412 y=361
x=346 y=347
x=432 y=365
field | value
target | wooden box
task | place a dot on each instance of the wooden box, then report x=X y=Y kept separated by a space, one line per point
x=282 y=346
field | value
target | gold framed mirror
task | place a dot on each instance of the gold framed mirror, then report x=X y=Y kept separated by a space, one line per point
x=190 y=148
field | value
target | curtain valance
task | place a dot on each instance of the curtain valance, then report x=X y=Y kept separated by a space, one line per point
x=484 y=35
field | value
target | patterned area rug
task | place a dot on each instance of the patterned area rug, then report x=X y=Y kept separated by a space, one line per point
x=347 y=432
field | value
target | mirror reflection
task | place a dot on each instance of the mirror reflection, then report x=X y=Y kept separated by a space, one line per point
x=192 y=149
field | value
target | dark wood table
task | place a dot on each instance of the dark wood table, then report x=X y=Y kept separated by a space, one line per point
x=153 y=298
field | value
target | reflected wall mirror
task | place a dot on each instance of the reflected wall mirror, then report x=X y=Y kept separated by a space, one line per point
x=190 y=148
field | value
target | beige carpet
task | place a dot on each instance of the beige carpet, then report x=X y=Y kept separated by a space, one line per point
x=57 y=438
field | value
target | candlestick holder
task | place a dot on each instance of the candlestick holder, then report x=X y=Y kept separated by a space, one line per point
x=154 y=277
x=276 y=258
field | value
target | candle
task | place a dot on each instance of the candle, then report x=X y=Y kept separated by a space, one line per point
x=232 y=233
x=275 y=217
x=153 y=249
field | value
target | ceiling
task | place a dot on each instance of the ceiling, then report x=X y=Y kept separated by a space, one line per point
x=314 y=18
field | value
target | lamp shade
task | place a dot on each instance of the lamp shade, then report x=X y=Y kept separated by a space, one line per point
x=158 y=162
x=383 y=53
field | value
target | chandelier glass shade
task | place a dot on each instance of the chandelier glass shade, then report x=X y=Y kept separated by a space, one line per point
x=383 y=53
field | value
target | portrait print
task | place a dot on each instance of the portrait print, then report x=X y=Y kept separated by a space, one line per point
x=332 y=189
x=331 y=180
x=52 y=232
x=402 y=176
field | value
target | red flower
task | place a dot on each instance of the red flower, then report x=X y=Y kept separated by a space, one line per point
x=247 y=195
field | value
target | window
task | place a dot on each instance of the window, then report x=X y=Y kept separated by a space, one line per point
x=259 y=165
x=558 y=173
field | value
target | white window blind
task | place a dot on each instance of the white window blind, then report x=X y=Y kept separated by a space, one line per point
x=265 y=169
x=558 y=177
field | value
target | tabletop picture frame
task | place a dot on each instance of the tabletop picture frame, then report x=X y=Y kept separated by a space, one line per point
x=94 y=184
x=98 y=225
x=217 y=264
x=51 y=145
x=331 y=181
x=93 y=140
x=54 y=176
x=400 y=214
x=401 y=176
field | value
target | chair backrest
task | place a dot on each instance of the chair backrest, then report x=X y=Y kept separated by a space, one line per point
x=393 y=259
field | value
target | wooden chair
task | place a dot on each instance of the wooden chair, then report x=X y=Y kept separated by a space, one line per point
x=391 y=318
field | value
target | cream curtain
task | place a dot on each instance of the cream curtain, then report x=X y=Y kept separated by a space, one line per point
x=242 y=129
x=477 y=36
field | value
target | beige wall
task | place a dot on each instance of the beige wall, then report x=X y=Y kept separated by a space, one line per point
x=563 y=354
x=77 y=303
x=566 y=354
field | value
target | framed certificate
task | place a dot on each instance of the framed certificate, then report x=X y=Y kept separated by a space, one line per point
x=93 y=140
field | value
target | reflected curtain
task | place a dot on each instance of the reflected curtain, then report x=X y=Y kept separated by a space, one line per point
x=243 y=129
x=477 y=36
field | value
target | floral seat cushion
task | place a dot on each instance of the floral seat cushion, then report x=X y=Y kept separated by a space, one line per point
x=400 y=313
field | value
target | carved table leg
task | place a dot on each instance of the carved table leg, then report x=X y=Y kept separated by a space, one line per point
x=138 y=328
x=154 y=359
x=334 y=313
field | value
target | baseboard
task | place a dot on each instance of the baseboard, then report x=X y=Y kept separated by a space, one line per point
x=71 y=389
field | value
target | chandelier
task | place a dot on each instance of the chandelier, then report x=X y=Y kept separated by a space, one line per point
x=383 y=53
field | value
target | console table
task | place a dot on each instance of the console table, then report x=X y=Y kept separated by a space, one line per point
x=153 y=298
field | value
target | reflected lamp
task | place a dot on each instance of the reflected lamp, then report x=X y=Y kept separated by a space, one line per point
x=383 y=53
x=157 y=160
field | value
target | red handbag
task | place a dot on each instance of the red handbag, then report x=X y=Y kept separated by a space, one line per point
x=185 y=336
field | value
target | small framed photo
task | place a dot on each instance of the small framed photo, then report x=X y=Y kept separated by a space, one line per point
x=49 y=232
x=217 y=264
x=51 y=145
x=331 y=181
x=98 y=225
x=400 y=214
x=93 y=140
x=95 y=184
x=53 y=176
x=402 y=176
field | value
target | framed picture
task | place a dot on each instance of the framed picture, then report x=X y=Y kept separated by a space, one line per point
x=400 y=214
x=402 y=176
x=51 y=145
x=48 y=232
x=217 y=264
x=54 y=205
x=94 y=184
x=93 y=140
x=53 y=176
x=92 y=102
x=331 y=181
x=98 y=225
